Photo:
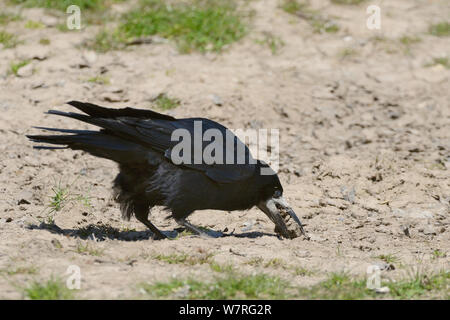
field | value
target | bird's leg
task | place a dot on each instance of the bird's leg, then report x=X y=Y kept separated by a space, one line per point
x=141 y=213
x=157 y=235
x=193 y=228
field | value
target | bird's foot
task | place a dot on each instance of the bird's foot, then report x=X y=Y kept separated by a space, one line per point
x=195 y=230
x=158 y=236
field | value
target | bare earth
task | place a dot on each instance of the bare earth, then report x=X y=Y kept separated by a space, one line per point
x=364 y=150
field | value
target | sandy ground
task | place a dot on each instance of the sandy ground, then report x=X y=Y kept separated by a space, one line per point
x=364 y=149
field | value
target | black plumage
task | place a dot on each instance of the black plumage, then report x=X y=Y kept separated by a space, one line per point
x=140 y=142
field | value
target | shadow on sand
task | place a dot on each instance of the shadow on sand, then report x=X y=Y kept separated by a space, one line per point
x=103 y=232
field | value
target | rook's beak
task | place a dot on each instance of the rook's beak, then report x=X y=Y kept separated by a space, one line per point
x=278 y=210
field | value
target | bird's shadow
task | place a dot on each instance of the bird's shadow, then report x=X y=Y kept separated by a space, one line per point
x=103 y=232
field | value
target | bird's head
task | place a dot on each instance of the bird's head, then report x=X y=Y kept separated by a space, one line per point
x=271 y=200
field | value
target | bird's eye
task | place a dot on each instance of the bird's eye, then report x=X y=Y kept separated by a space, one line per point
x=277 y=193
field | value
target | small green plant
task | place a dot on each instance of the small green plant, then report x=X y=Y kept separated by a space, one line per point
x=53 y=289
x=232 y=286
x=408 y=41
x=172 y=258
x=8 y=40
x=347 y=53
x=188 y=259
x=164 y=102
x=7 y=17
x=62 y=27
x=275 y=263
x=271 y=263
x=84 y=5
x=438 y=254
x=127 y=229
x=319 y=23
x=62 y=196
x=303 y=272
x=44 y=41
x=228 y=268
x=59 y=198
x=274 y=43
x=441 y=29
x=292 y=6
x=106 y=41
x=419 y=285
x=34 y=25
x=20 y=270
x=443 y=61
x=348 y=2
x=184 y=233
x=88 y=249
x=14 y=67
x=256 y=261
x=388 y=258
x=339 y=285
x=99 y=80
x=84 y=199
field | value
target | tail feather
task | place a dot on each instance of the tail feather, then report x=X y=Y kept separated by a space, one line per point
x=49 y=148
x=97 y=144
x=109 y=124
x=115 y=141
x=65 y=130
x=102 y=112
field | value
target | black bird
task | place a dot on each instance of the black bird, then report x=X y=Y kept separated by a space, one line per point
x=141 y=142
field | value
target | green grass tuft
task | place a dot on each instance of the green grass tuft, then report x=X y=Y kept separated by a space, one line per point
x=14 y=67
x=59 y=198
x=164 y=102
x=443 y=61
x=388 y=258
x=303 y=272
x=19 y=270
x=338 y=286
x=256 y=261
x=319 y=23
x=342 y=287
x=292 y=6
x=62 y=196
x=232 y=286
x=7 y=17
x=271 y=41
x=438 y=253
x=8 y=40
x=106 y=41
x=221 y=268
x=93 y=5
x=30 y=24
x=421 y=285
x=441 y=29
x=44 y=41
x=197 y=25
x=184 y=258
x=53 y=289
x=99 y=80
x=88 y=249
x=347 y=53
x=275 y=263
x=408 y=41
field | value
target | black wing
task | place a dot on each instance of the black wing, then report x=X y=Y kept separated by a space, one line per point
x=154 y=130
